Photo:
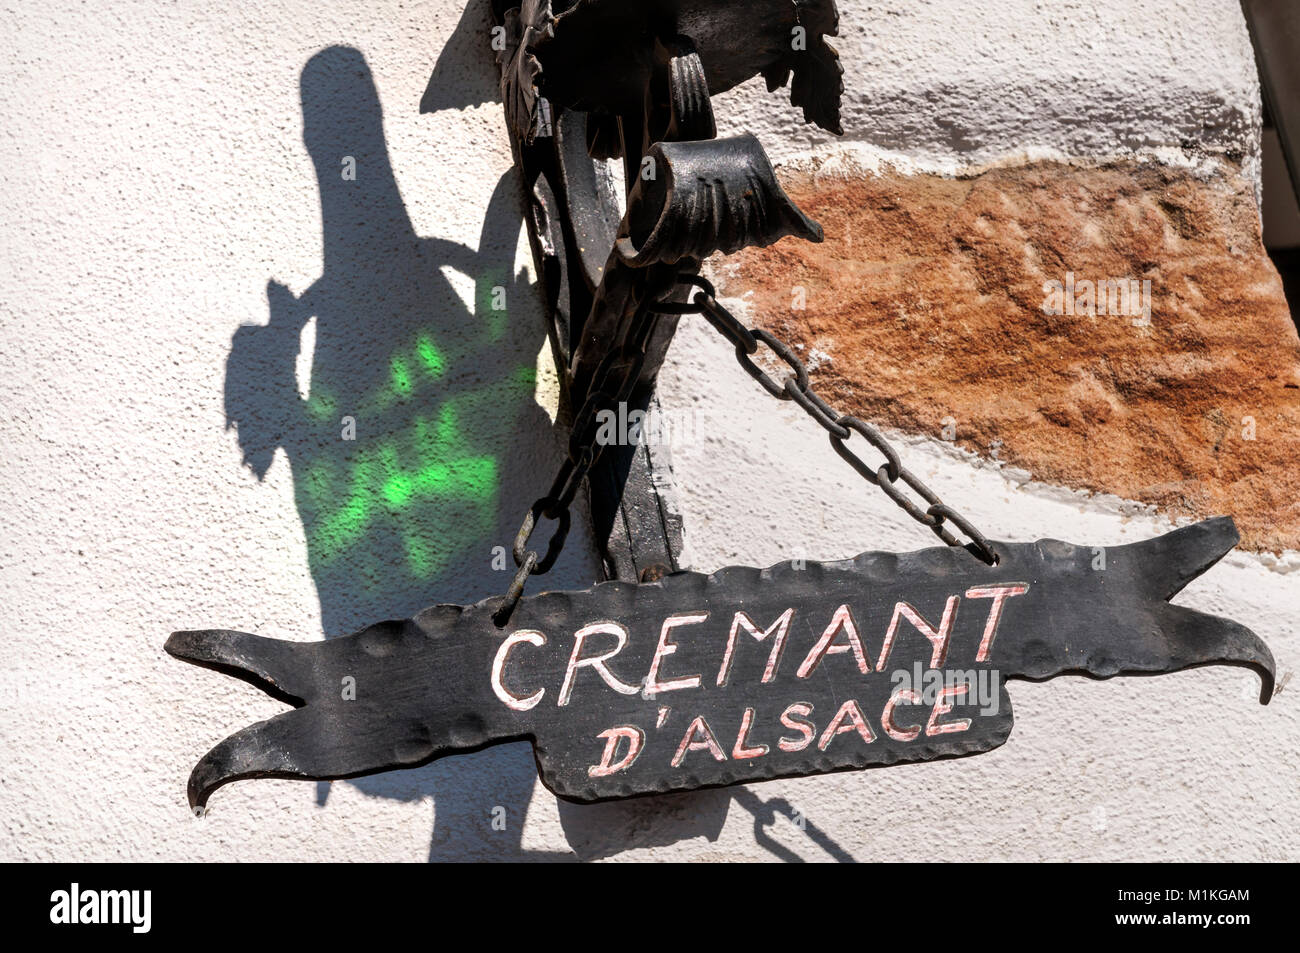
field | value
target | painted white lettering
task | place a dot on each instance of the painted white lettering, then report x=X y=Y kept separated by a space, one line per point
x=595 y=662
x=512 y=701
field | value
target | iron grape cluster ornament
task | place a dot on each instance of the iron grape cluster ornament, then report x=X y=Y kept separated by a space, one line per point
x=661 y=679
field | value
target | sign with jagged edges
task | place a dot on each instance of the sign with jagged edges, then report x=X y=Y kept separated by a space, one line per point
x=743 y=675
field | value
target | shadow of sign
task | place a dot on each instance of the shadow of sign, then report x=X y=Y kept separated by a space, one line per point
x=417 y=445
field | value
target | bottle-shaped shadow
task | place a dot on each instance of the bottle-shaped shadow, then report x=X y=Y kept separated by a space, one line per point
x=420 y=442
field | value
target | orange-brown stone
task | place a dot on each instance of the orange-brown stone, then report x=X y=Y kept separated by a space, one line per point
x=929 y=298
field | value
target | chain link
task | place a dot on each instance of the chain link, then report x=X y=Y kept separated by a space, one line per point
x=612 y=383
x=891 y=476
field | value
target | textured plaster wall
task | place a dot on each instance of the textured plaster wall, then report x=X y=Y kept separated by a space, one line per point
x=949 y=82
x=159 y=196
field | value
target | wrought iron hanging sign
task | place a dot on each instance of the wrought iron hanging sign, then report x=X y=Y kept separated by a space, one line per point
x=743 y=675
x=667 y=680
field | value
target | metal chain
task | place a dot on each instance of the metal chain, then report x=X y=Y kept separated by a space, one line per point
x=936 y=514
x=617 y=375
x=611 y=384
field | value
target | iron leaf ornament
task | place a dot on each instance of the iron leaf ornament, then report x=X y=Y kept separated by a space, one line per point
x=590 y=55
x=524 y=28
x=743 y=675
x=659 y=680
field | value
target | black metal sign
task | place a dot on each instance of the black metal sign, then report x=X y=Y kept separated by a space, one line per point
x=743 y=675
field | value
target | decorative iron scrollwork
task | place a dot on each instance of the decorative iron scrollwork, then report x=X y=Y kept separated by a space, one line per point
x=718 y=195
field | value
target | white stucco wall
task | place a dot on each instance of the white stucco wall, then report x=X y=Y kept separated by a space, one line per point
x=157 y=180
x=950 y=83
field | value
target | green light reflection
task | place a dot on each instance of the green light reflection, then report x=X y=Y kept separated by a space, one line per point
x=431 y=483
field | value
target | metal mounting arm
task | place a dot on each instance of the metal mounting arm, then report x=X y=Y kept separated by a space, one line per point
x=585 y=81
